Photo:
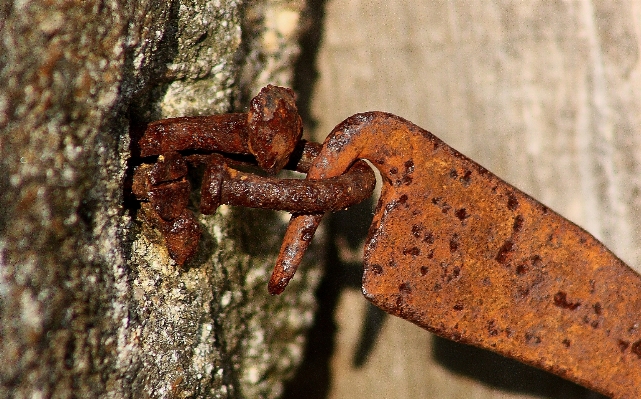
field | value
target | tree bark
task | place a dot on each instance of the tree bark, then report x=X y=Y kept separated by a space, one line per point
x=90 y=303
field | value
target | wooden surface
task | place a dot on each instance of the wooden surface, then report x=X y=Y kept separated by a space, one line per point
x=544 y=94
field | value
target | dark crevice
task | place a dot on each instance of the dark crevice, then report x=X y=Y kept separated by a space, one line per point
x=141 y=106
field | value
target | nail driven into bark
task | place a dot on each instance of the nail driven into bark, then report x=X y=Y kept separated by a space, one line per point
x=271 y=133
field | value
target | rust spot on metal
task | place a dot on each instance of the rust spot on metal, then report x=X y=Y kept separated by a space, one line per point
x=454 y=243
x=598 y=309
x=521 y=269
x=416 y=231
x=464 y=222
x=405 y=288
x=623 y=345
x=377 y=269
x=504 y=252
x=492 y=328
x=461 y=214
x=636 y=348
x=532 y=339
x=512 y=202
x=467 y=178
x=414 y=251
x=518 y=224
x=561 y=300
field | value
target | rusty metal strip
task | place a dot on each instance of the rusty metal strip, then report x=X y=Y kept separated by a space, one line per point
x=459 y=252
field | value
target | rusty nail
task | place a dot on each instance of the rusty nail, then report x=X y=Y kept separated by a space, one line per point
x=224 y=185
x=271 y=132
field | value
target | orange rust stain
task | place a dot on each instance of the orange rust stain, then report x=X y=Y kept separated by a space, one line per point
x=461 y=253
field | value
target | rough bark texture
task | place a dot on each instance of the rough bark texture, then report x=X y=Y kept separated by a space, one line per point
x=546 y=94
x=90 y=303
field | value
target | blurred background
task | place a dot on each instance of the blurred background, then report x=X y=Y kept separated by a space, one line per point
x=545 y=94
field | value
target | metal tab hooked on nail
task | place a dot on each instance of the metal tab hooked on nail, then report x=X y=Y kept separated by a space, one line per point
x=452 y=248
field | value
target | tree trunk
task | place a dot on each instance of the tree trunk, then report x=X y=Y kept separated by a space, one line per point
x=90 y=303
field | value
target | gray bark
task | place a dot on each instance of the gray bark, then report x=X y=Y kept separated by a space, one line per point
x=90 y=303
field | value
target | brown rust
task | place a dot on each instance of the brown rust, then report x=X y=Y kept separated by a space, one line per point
x=452 y=248
x=461 y=253
x=224 y=132
x=274 y=127
x=271 y=133
x=296 y=195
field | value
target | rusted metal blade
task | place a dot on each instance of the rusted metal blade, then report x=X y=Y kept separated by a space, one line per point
x=459 y=252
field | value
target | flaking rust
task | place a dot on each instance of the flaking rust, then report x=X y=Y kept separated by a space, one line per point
x=461 y=253
x=269 y=133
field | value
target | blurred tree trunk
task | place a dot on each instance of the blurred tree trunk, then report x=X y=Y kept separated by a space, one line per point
x=546 y=94
x=90 y=303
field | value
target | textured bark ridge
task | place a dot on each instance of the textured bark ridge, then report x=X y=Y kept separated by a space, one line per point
x=90 y=303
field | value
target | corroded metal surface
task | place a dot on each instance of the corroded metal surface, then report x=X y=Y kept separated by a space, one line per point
x=459 y=252
x=274 y=127
x=271 y=133
x=297 y=195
